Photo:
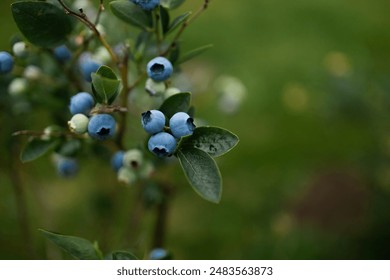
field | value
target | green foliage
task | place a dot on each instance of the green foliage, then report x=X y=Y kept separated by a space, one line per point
x=36 y=148
x=193 y=53
x=105 y=85
x=177 y=22
x=132 y=14
x=164 y=19
x=202 y=173
x=213 y=140
x=177 y=103
x=47 y=24
x=43 y=24
x=77 y=247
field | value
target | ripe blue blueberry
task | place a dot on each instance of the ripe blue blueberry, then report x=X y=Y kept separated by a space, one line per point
x=147 y=4
x=153 y=121
x=181 y=124
x=6 y=62
x=87 y=67
x=158 y=254
x=159 y=69
x=101 y=126
x=67 y=167
x=62 y=53
x=81 y=103
x=162 y=144
x=117 y=160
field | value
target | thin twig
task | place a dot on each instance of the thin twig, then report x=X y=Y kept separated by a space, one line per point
x=108 y=109
x=124 y=68
x=158 y=28
x=185 y=25
x=84 y=19
x=99 y=13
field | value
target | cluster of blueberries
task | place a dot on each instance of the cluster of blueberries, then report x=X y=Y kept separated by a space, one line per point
x=99 y=126
x=131 y=165
x=163 y=141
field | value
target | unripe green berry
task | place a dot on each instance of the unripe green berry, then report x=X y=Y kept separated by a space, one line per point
x=154 y=88
x=126 y=175
x=20 y=49
x=18 y=86
x=171 y=91
x=78 y=124
x=133 y=158
x=32 y=73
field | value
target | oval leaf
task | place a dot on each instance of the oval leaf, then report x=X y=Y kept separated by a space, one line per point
x=213 y=140
x=132 y=14
x=42 y=23
x=36 y=148
x=77 y=247
x=176 y=103
x=202 y=173
x=177 y=22
x=105 y=85
x=164 y=17
x=191 y=54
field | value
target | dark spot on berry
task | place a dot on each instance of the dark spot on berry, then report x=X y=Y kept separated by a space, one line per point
x=146 y=117
x=160 y=152
x=103 y=131
x=134 y=164
x=190 y=124
x=157 y=68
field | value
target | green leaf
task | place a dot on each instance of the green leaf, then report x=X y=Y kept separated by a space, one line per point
x=191 y=54
x=175 y=54
x=171 y=4
x=105 y=85
x=36 y=148
x=132 y=14
x=178 y=21
x=215 y=141
x=123 y=255
x=202 y=173
x=176 y=103
x=77 y=247
x=164 y=19
x=42 y=23
x=140 y=45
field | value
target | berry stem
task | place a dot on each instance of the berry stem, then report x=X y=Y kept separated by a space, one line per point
x=99 y=13
x=124 y=69
x=84 y=19
x=158 y=27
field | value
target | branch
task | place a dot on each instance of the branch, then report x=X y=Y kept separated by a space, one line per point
x=185 y=25
x=84 y=19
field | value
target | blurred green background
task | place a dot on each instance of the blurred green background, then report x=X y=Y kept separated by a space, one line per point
x=310 y=178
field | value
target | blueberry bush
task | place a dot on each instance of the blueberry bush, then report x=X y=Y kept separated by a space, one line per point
x=96 y=73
